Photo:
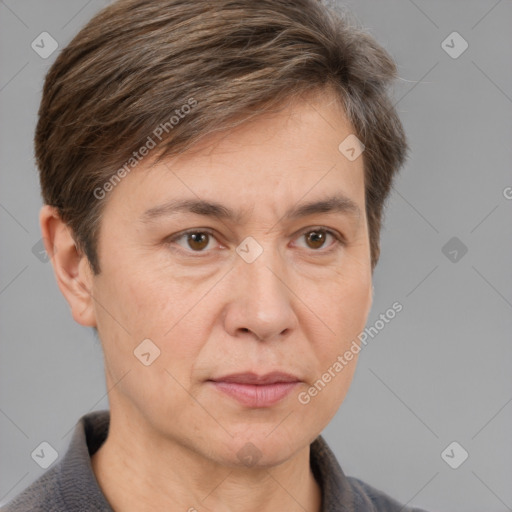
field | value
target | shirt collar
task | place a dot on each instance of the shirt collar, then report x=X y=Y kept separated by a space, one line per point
x=76 y=469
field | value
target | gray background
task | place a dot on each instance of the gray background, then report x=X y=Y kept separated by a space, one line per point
x=439 y=372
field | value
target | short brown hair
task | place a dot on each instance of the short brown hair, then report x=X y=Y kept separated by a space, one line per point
x=137 y=62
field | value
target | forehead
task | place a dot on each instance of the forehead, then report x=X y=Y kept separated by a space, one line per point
x=279 y=158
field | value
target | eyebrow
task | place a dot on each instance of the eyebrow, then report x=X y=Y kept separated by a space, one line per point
x=340 y=204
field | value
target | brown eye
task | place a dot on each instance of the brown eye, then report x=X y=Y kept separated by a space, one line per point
x=316 y=239
x=197 y=240
x=193 y=241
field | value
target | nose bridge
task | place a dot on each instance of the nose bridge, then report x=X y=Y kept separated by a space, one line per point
x=262 y=269
x=262 y=299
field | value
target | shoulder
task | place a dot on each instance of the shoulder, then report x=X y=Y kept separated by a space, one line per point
x=70 y=483
x=345 y=493
x=42 y=495
x=364 y=494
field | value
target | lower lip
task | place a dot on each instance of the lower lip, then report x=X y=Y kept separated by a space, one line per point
x=253 y=395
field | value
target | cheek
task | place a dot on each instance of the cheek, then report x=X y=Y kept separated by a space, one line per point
x=341 y=304
x=337 y=354
x=141 y=307
x=163 y=309
x=149 y=304
x=320 y=401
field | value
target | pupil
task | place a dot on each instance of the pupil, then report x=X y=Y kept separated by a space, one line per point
x=195 y=240
x=317 y=237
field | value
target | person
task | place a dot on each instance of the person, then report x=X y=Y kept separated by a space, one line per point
x=214 y=174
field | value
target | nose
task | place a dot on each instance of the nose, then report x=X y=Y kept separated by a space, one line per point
x=261 y=301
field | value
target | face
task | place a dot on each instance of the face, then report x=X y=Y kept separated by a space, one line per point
x=256 y=284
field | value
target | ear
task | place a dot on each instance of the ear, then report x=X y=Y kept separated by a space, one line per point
x=72 y=269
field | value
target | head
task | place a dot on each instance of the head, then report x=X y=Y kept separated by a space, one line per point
x=244 y=109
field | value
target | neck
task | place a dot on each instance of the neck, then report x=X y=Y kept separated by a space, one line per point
x=162 y=474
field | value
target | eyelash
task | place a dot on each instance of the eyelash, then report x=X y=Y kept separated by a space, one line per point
x=337 y=236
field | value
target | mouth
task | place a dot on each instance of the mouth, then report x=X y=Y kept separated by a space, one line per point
x=256 y=391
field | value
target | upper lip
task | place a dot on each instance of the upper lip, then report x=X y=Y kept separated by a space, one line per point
x=254 y=378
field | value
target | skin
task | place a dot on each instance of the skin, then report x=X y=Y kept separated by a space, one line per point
x=174 y=438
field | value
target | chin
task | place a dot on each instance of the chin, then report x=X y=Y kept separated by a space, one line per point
x=259 y=448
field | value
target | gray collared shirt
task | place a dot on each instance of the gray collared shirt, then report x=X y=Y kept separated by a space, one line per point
x=71 y=486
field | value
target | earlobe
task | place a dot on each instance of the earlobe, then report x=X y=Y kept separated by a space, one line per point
x=71 y=268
